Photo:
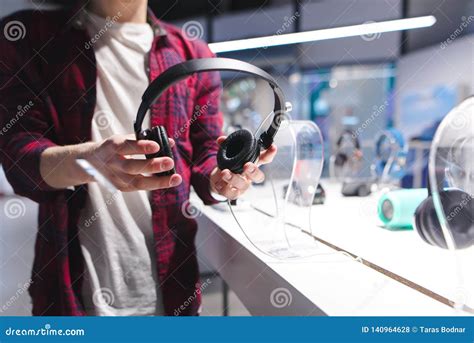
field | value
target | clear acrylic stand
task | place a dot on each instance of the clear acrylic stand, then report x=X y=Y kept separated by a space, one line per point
x=275 y=215
x=451 y=183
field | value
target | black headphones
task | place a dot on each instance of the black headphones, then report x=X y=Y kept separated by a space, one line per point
x=241 y=146
x=396 y=154
x=458 y=206
x=342 y=155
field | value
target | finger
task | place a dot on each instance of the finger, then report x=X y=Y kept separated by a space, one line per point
x=221 y=139
x=230 y=192
x=267 y=155
x=149 y=183
x=121 y=181
x=220 y=185
x=132 y=138
x=235 y=180
x=154 y=165
x=252 y=172
x=134 y=147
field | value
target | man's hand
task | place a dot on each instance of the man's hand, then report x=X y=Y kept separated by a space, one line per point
x=113 y=159
x=231 y=185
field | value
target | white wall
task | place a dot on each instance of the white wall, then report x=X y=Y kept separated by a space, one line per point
x=435 y=66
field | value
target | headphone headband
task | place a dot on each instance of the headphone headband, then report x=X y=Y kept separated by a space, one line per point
x=182 y=70
x=395 y=137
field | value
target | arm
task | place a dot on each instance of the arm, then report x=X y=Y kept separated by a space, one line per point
x=231 y=185
x=34 y=164
x=26 y=127
x=59 y=169
x=206 y=138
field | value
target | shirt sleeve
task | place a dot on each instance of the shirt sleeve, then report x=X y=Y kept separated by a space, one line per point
x=25 y=125
x=205 y=129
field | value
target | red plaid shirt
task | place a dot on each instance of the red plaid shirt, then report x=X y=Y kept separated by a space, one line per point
x=51 y=74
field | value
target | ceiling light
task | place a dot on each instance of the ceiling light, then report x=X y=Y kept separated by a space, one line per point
x=324 y=34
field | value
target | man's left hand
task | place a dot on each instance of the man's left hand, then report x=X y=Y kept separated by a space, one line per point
x=231 y=185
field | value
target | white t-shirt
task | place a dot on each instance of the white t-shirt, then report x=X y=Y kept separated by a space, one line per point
x=115 y=228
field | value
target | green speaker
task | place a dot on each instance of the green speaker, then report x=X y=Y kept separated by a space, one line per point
x=396 y=208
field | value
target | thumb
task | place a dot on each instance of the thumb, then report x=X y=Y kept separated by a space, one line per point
x=221 y=139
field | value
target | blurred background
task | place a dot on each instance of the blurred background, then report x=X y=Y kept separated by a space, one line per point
x=408 y=80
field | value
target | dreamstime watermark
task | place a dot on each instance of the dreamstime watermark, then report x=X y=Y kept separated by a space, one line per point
x=192 y=30
x=191 y=298
x=288 y=22
x=281 y=120
x=109 y=22
x=465 y=22
x=103 y=297
x=467 y=198
x=103 y=119
x=376 y=112
x=281 y=297
x=22 y=289
x=369 y=37
x=189 y=210
x=21 y=111
x=14 y=208
x=14 y=30
x=44 y=331
x=109 y=200
x=460 y=120
x=198 y=111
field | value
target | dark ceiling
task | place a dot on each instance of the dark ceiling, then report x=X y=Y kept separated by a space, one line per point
x=179 y=9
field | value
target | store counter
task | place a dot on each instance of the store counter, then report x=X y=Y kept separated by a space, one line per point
x=360 y=268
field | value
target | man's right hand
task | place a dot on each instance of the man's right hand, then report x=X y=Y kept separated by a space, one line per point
x=114 y=159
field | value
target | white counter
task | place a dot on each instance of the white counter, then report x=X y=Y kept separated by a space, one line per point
x=382 y=272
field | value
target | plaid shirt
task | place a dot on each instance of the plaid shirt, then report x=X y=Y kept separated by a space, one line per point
x=47 y=98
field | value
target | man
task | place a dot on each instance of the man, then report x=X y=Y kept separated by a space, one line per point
x=82 y=71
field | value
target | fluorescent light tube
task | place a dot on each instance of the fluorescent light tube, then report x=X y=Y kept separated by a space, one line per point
x=324 y=34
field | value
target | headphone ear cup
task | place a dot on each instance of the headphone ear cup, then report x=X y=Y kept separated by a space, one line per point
x=426 y=220
x=239 y=148
x=418 y=219
x=158 y=135
x=459 y=209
